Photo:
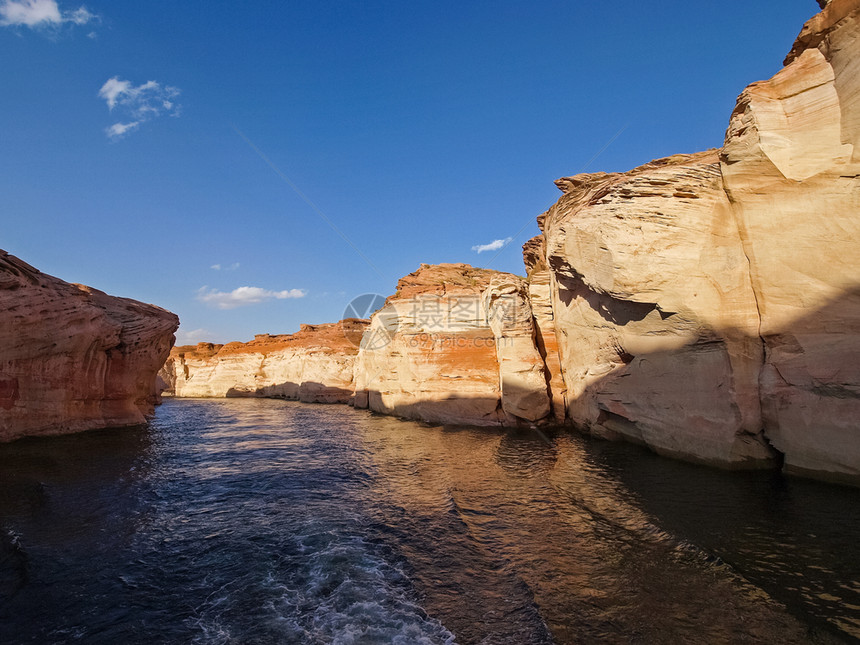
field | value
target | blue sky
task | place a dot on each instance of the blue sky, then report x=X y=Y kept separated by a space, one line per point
x=253 y=166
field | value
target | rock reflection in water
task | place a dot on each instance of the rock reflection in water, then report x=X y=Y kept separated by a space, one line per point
x=563 y=539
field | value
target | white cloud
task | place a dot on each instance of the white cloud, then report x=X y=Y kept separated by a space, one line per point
x=112 y=89
x=117 y=130
x=227 y=267
x=138 y=103
x=41 y=13
x=80 y=16
x=495 y=245
x=193 y=336
x=30 y=12
x=244 y=296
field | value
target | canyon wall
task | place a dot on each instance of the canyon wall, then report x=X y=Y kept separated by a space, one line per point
x=705 y=305
x=651 y=291
x=708 y=305
x=791 y=170
x=314 y=365
x=73 y=358
x=455 y=344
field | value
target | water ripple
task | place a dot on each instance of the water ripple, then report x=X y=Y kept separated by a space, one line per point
x=250 y=521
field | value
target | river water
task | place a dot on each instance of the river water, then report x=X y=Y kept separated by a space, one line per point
x=258 y=521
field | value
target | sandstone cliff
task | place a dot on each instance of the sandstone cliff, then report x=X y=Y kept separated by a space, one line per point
x=455 y=344
x=651 y=291
x=314 y=365
x=791 y=170
x=708 y=305
x=73 y=358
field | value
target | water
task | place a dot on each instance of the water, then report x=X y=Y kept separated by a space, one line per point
x=255 y=521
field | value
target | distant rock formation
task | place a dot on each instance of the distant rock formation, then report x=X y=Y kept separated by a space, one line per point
x=73 y=358
x=455 y=344
x=314 y=365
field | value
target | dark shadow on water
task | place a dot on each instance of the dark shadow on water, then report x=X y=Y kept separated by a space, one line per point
x=526 y=453
x=33 y=467
x=797 y=539
x=55 y=487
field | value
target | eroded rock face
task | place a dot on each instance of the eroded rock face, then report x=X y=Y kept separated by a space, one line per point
x=659 y=329
x=791 y=170
x=546 y=336
x=314 y=365
x=429 y=354
x=455 y=344
x=73 y=358
x=709 y=305
x=522 y=377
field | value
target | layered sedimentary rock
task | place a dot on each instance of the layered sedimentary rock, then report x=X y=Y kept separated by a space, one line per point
x=522 y=376
x=657 y=318
x=708 y=305
x=73 y=358
x=791 y=170
x=455 y=344
x=546 y=337
x=314 y=365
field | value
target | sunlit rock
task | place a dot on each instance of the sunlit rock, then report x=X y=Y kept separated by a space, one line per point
x=455 y=344
x=522 y=377
x=73 y=358
x=791 y=170
x=429 y=353
x=654 y=314
x=708 y=305
x=314 y=365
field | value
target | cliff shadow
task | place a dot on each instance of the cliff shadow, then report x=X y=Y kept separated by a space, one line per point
x=611 y=309
x=679 y=400
x=306 y=392
x=766 y=526
x=50 y=485
x=450 y=409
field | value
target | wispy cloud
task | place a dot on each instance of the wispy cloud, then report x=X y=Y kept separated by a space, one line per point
x=193 y=336
x=80 y=16
x=118 y=130
x=244 y=296
x=38 y=14
x=225 y=267
x=495 y=245
x=137 y=104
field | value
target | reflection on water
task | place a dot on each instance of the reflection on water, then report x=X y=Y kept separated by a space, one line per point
x=271 y=522
x=797 y=539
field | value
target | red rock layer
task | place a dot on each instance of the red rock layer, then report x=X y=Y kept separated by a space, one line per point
x=432 y=353
x=73 y=358
x=315 y=365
